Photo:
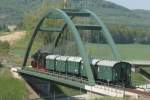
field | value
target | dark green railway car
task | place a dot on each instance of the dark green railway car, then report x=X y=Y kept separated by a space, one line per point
x=51 y=62
x=61 y=64
x=125 y=73
x=73 y=65
x=114 y=71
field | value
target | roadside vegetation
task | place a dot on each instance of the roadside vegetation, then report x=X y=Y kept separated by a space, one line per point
x=11 y=88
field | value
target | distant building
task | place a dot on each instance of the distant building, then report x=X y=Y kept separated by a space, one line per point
x=11 y=28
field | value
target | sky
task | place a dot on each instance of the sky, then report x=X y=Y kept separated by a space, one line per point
x=133 y=4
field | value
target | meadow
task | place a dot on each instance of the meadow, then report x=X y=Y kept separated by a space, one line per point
x=127 y=51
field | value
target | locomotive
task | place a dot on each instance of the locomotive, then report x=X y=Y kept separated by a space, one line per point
x=114 y=72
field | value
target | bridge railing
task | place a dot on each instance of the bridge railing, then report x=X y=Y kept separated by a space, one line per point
x=118 y=89
x=139 y=85
x=62 y=75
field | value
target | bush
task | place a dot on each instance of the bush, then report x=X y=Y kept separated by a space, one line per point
x=4 y=48
x=1 y=65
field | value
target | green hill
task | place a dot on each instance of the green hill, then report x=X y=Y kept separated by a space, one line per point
x=12 y=12
x=115 y=14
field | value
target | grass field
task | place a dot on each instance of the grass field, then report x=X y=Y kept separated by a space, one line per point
x=127 y=51
x=10 y=88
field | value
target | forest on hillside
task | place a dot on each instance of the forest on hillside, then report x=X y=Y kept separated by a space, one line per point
x=125 y=25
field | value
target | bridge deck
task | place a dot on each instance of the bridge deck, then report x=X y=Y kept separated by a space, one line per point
x=73 y=81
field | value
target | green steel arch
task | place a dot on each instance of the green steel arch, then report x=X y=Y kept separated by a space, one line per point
x=72 y=28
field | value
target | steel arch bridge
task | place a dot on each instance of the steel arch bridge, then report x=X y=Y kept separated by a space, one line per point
x=67 y=15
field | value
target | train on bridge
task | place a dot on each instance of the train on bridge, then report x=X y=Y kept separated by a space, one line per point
x=107 y=71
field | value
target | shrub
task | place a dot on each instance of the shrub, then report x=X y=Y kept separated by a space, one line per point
x=1 y=65
x=4 y=47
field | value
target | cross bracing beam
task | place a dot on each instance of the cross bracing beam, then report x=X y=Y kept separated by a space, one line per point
x=78 y=14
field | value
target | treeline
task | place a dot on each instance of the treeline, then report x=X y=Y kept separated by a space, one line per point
x=124 y=34
x=121 y=34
